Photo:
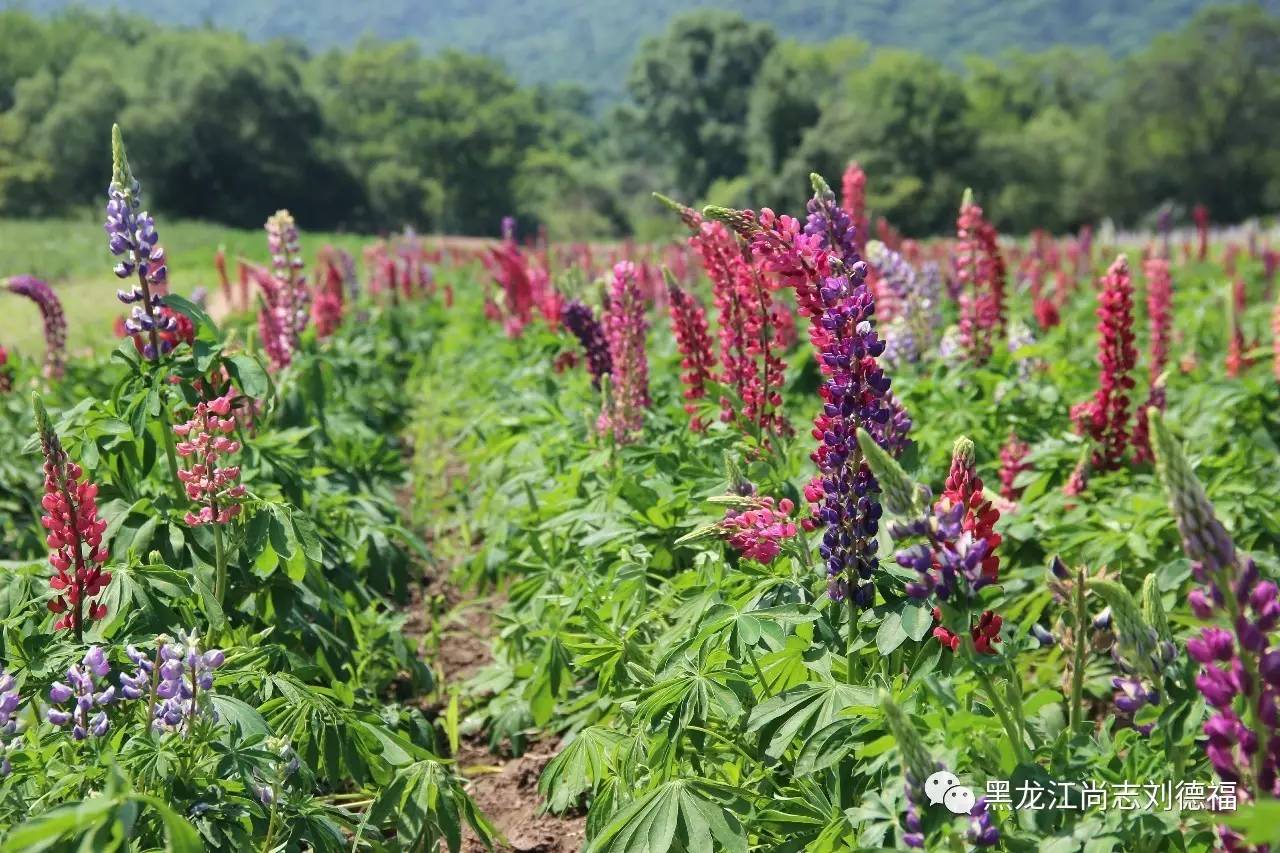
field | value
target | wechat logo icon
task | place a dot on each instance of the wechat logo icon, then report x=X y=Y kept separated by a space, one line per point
x=943 y=787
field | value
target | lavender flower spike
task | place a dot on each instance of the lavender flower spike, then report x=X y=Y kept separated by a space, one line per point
x=131 y=236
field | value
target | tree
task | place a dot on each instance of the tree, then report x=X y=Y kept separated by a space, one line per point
x=1195 y=117
x=693 y=85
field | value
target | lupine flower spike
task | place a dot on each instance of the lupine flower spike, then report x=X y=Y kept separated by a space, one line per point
x=132 y=237
x=959 y=556
x=580 y=320
x=689 y=325
x=1160 y=316
x=55 y=321
x=186 y=682
x=1240 y=663
x=624 y=330
x=205 y=439
x=1012 y=463
x=1105 y=418
x=86 y=688
x=76 y=550
x=759 y=531
x=6 y=372
x=10 y=699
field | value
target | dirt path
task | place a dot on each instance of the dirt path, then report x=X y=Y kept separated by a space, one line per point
x=455 y=630
x=504 y=787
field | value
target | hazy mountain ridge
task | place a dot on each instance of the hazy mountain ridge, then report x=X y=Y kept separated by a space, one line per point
x=592 y=43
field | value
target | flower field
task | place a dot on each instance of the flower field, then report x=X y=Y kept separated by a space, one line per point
x=791 y=534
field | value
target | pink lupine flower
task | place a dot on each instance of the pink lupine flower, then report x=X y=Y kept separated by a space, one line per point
x=980 y=271
x=55 y=321
x=624 y=330
x=1013 y=462
x=205 y=439
x=6 y=372
x=1105 y=418
x=853 y=198
x=758 y=533
x=1275 y=340
x=76 y=549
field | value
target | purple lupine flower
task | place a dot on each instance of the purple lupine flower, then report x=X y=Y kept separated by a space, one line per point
x=10 y=699
x=831 y=224
x=917 y=299
x=509 y=229
x=981 y=831
x=950 y=561
x=855 y=394
x=582 y=322
x=132 y=237
x=186 y=679
x=1043 y=636
x=82 y=690
x=137 y=684
x=1240 y=670
x=55 y=321
x=914 y=835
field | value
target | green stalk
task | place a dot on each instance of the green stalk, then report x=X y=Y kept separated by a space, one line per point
x=1078 y=654
x=997 y=703
x=220 y=561
x=853 y=624
x=764 y=682
x=170 y=452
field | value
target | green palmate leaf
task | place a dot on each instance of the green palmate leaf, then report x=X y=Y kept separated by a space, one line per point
x=802 y=710
x=677 y=817
x=426 y=805
x=581 y=765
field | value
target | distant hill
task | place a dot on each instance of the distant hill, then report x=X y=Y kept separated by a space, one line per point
x=591 y=42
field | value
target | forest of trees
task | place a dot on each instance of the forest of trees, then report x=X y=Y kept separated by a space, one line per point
x=718 y=109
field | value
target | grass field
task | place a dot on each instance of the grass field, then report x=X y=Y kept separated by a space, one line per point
x=71 y=254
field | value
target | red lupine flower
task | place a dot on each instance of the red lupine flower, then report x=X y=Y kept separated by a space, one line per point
x=1201 y=215
x=1105 y=417
x=327 y=306
x=6 y=372
x=220 y=265
x=751 y=326
x=1237 y=360
x=853 y=198
x=1012 y=463
x=1159 y=318
x=964 y=487
x=689 y=324
x=76 y=549
x=204 y=441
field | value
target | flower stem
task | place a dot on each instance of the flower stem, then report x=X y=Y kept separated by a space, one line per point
x=853 y=624
x=220 y=562
x=764 y=682
x=996 y=701
x=1078 y=653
